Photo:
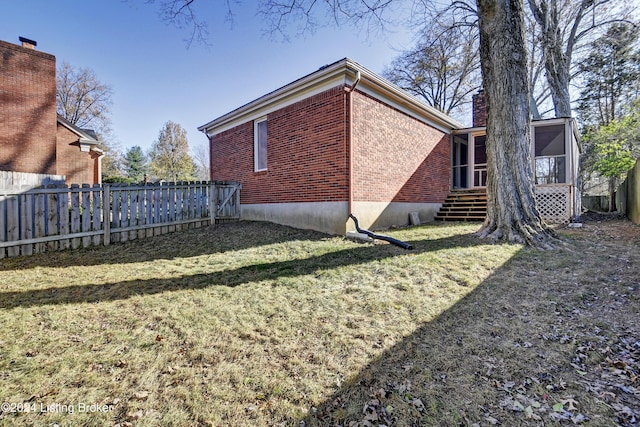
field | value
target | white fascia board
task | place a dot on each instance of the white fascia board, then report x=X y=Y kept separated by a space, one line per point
x=262 y=109
x=84 y=138
x=340 y=73
x=314 y=83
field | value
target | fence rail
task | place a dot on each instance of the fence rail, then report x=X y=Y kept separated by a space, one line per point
x=59 y=217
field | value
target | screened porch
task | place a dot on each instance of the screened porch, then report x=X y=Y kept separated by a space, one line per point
x=555 y=161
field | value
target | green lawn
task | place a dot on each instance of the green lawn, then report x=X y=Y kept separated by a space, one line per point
x=252 y=324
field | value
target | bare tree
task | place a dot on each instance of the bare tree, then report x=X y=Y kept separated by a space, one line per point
x=86 y=102
x=564 y=26
x=443 y=69
x=183 y=14
x=82 y=99
x=201 y=159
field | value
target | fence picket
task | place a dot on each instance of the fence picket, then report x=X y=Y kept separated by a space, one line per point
x=156 y=210
x=149 y=206
x=141 y=213
x=3 y=224
x=52 y=219
x=26 y=221
x=164 y=208
x=97 y=212
x=13 y=221
x=115 y=213
x=124 y=214
x=75 y=215
x=172 y=209
x=86 y=214
x=40 y=225
x=133 y=213
x=106 y=215
x=63 y=215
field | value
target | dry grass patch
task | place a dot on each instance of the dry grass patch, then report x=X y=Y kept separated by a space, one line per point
x=257 y=324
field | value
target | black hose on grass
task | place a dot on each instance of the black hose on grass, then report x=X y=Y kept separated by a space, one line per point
x=403 y=245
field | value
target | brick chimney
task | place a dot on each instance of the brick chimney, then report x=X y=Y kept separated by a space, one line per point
x=479 y=109
x=29 y=44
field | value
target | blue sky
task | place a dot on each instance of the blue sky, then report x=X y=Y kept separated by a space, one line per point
x=156 y=77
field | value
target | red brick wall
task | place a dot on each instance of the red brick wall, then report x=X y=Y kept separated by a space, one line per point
x=27 y=110
x=396 y=157
x=307 y=158
x=479 y=109
x=78 y=167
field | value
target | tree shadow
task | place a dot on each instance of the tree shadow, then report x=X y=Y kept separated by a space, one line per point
x=471 y=363
x=233 y=277
x=231 y=236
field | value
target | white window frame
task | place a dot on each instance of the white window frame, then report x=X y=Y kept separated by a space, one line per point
x=256 y=144
x=563 y=180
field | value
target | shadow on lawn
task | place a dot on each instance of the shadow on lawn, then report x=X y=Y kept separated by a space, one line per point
x=221 y=238
x=466 y=366
x=264 y=271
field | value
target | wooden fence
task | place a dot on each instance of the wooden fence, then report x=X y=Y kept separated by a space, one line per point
x=18 y=181
x=59 y=217
x=628 y=194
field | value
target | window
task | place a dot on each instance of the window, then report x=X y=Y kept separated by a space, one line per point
x=260 y=144
x=550 y=162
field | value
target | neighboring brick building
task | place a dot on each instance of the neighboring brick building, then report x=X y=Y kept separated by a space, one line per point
x=33 y=138
x=340 y=140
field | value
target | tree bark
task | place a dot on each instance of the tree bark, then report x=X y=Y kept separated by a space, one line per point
x=512 y=215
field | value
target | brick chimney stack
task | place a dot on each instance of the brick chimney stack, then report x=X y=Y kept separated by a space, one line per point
x=479 y=109
x=29 y=44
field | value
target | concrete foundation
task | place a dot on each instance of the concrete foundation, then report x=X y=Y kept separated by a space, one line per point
x=332 y=217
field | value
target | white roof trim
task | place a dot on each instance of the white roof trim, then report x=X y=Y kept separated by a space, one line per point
x=342 y=72
x=84 y=137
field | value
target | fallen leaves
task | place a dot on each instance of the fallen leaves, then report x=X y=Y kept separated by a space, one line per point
x=616 y=379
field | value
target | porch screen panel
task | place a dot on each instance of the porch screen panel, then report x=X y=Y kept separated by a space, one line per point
x=480 y=161
x=550 y=154
x=460 y=161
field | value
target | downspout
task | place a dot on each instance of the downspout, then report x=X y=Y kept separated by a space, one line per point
x=206 y=133
x=350 y=140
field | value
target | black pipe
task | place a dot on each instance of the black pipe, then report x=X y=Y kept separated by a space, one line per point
x=396 y=242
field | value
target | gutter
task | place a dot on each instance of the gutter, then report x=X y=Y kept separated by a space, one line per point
x=350 y=141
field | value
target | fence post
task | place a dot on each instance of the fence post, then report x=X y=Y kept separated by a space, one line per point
x=212 y=203
x=3 y=204
x=13 y=224
x=106 y=214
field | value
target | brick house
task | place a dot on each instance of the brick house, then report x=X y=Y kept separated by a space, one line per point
x=344 y=140
x=340 y=140
x=33 y=138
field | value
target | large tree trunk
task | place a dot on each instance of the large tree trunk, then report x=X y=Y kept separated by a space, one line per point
x=511 y=212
